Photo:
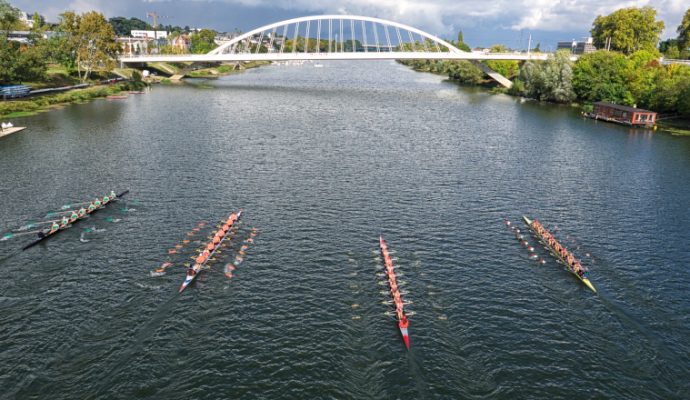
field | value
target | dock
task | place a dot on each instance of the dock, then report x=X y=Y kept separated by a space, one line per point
x=9 y=131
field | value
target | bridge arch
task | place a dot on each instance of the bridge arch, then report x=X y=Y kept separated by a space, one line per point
x=235 y=44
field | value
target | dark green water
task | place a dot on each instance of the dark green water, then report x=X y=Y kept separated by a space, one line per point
x=322 y=160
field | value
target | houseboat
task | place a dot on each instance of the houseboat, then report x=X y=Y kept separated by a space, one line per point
x=624 y=115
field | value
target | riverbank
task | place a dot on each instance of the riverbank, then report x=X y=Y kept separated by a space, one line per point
x=32 y=106
x=466 y=74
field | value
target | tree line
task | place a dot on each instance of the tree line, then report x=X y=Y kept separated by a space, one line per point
x=81 y=43
x=626 y=70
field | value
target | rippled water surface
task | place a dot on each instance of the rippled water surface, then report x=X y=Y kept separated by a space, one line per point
x=322 y=160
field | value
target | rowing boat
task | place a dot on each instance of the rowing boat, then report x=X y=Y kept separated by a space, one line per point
x=194 y=271
x=553 y=251
x=403 y=322
x=45 y=234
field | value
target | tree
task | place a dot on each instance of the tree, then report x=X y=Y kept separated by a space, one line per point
x=124 y=26
x=203 y=41
x=20 y=63
x=628 y=30
x=465 y=72
x=550 y=80
x=90 y=41
x=669 y=48
x=684 y=35
x=9 y=18
x=601 y=76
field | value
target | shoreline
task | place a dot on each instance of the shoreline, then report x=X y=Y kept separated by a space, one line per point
x=30 y=106
x=681 y=129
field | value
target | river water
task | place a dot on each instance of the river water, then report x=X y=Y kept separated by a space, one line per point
x=322 y=160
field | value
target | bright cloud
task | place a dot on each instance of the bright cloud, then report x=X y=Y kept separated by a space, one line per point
x=442 y=17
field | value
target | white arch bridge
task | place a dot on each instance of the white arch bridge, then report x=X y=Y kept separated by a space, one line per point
x=338 y=37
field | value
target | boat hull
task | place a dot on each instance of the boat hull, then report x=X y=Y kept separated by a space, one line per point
x=553 y=252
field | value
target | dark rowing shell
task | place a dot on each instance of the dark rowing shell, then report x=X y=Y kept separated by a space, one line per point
x=44 y=237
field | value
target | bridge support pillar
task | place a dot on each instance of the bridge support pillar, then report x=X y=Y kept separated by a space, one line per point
x=502 y=80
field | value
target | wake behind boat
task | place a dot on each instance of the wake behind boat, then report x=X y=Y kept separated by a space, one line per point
x=210 y=249
x=559 y=251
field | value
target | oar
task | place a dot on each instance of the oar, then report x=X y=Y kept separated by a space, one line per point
x=34 y=224
x=11 y=235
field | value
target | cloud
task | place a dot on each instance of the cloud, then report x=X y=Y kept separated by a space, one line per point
x=441 y=17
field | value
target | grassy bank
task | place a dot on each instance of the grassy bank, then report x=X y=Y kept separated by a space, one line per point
x=222 y=70
x=23 y=108
x=676 y=127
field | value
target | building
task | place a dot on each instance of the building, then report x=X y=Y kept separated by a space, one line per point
x=575 y=47
x=150 y=35
x=181 y=43
x=133 y=46
x=623 y=114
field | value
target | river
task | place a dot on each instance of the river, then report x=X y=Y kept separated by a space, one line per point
x=322 y=160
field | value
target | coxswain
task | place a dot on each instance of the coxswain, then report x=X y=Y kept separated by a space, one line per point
x=113 y=196
x=404 y=322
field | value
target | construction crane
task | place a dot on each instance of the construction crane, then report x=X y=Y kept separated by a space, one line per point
x=154 y=16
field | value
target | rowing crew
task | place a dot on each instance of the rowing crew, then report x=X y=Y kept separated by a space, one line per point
x=566 y=255
x=81 y=213
x=395 y=292
x=215 y=242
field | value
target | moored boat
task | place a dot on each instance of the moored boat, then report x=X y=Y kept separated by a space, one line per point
x=581 y=276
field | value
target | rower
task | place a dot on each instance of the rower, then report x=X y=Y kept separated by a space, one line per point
x=54 y=227
x=73 y=217
x=81 y=212
x=91 y=208
x=64 y=222
x=106 y=200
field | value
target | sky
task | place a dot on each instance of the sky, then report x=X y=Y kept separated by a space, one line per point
x=487 y=22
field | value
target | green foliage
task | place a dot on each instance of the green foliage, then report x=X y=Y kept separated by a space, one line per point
x=87 y=43
x=684 y=35
x=507 y=68
x=465 y=72
x=550 y=80
x=628 y=29
x=9 y=18
x=203 y=41
x=124 y=26
x=601 y=76
x=669 y=48
x=20 y=63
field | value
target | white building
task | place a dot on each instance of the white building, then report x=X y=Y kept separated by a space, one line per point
x=151 y=35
